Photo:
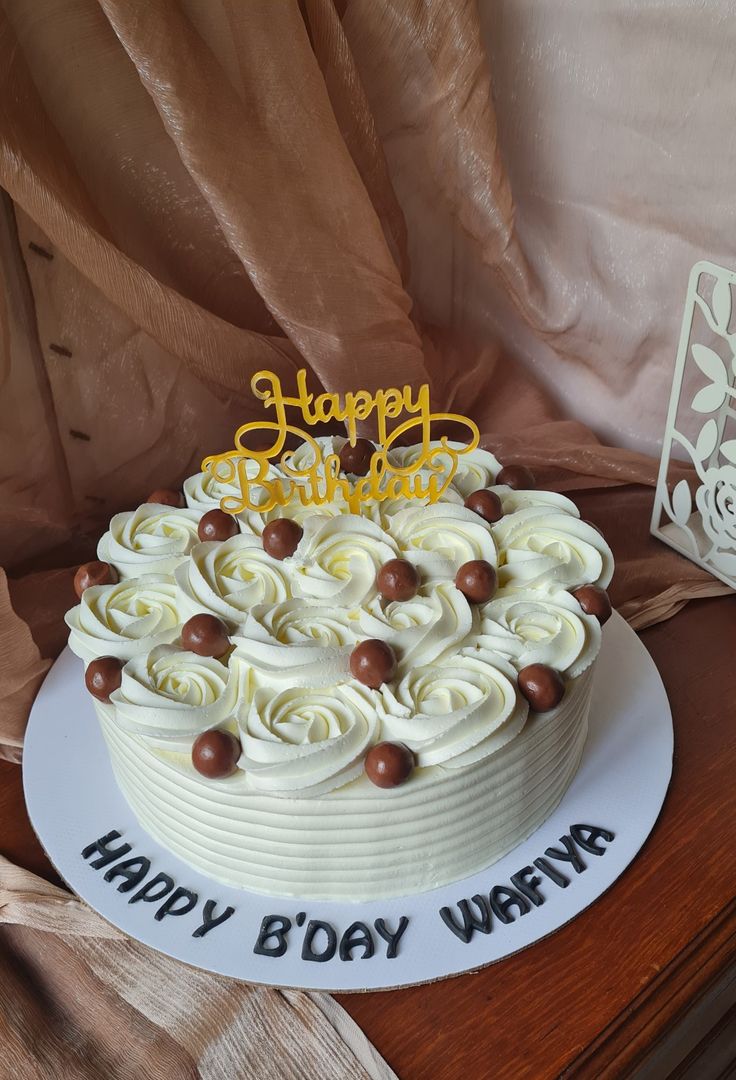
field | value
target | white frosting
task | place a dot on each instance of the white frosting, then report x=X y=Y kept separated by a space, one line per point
x=337 y=559
x=438 y=539
x=171 y=696
x=477 y=469
x=153 y=539
x=230 y=577
x=454 y=713
x=123 y=620
x=297 y=644
x=433 y=625
x=543 y=548
x=530 y=629
x=204 y=492
x=307 y=741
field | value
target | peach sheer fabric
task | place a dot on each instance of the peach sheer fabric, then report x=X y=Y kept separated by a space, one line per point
x=198 y=189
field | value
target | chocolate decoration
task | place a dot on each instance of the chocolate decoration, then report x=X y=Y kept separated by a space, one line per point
x=102 y=676
x=594 y=601
x=542 y=686
x=272 y=926
x=392 y=940
x=210 y=920
x=388 y=764
x=217 y=525
x=281 y=538
x=471 y=922
x=169 y=907
x=477 y=581
x=397 y=580
x=105 y=853
x=94 y=573
x=154 y=890
x=205 y=635
x=357 y=459
x=588 y=843
x=486 y=504
x=356 y=936
x=215 y=753
x=373 y=662
x=313 y=927
x=132 y=871
x=569 y=854
x=167 y=497
x=517 y=477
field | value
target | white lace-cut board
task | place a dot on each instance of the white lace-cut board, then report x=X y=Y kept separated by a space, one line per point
x=698 y=518
x=74 y=802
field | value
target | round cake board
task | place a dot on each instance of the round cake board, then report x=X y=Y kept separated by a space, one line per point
x=578 y=853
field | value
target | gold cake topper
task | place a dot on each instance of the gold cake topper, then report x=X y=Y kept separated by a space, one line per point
x=322 y=479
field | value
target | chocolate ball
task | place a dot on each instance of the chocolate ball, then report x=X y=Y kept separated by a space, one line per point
x=397 y=580
x=205 y=635
x=373 y=662
x=517 y=477
x=477 y=581
x=357 y=459
x=594 y=601
x=217 y=525
x=486 y=504
x=94 y=573
x=167 y=497
x=102 y=676
x=388 y=764
x=542 y=686
x=281 y=538
x=215 y=754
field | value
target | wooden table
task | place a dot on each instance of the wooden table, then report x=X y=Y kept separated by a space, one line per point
x=636 y=979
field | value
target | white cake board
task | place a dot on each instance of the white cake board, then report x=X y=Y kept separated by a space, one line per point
x=73 y=800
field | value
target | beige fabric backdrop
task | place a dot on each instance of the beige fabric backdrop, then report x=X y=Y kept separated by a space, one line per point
x=504 y=197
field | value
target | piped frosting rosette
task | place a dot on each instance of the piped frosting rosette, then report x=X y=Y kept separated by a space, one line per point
x=130 y=617
x=204 y=491
x=438 y=539
x=253 y=522
x=228 y=578
x=454 y=713
x=512 y=500
x=337 y=559
x=382 y=511
x=297 y=644
x=477 y=469
x=542 y=548
x=307 y=742
x=433 y=625
x=534 y=629
x=153 y=539
x=170 y=696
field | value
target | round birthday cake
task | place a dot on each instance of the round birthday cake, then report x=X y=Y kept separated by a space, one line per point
x=308 y=701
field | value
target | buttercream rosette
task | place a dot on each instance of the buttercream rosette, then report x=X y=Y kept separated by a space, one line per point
x=154 y=539
x=307 y=742
x=338 y=558
x=454 y=713
x=526 y=628
x=205 y=491
x=130 y=617
x=439 y=538
x=476 y=469
x=229 y=577
x=540 y=547
x=169 y=696
x=431 y=626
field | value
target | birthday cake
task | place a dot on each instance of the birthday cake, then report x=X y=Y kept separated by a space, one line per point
x=345 y=692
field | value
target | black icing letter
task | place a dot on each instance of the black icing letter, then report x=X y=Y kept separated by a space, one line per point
x=272 y=926
x=570 y=854
x=169 y=905
x=357 y=934
x=502 y=898
x=528 y=888
x=313 y=928
x=210 y=920
x=106 y=853
x=552 y=873
x=133 y=870
x=594 y=833
x=470 y=921
x=150 y=893
x=392 y=940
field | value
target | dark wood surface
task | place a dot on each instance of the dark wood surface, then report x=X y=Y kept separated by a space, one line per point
x=598 y=996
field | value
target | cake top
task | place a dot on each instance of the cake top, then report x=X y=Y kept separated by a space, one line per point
x=307 y=647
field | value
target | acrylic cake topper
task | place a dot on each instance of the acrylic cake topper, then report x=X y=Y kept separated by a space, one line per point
x=321 y=479
x=697 y=516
